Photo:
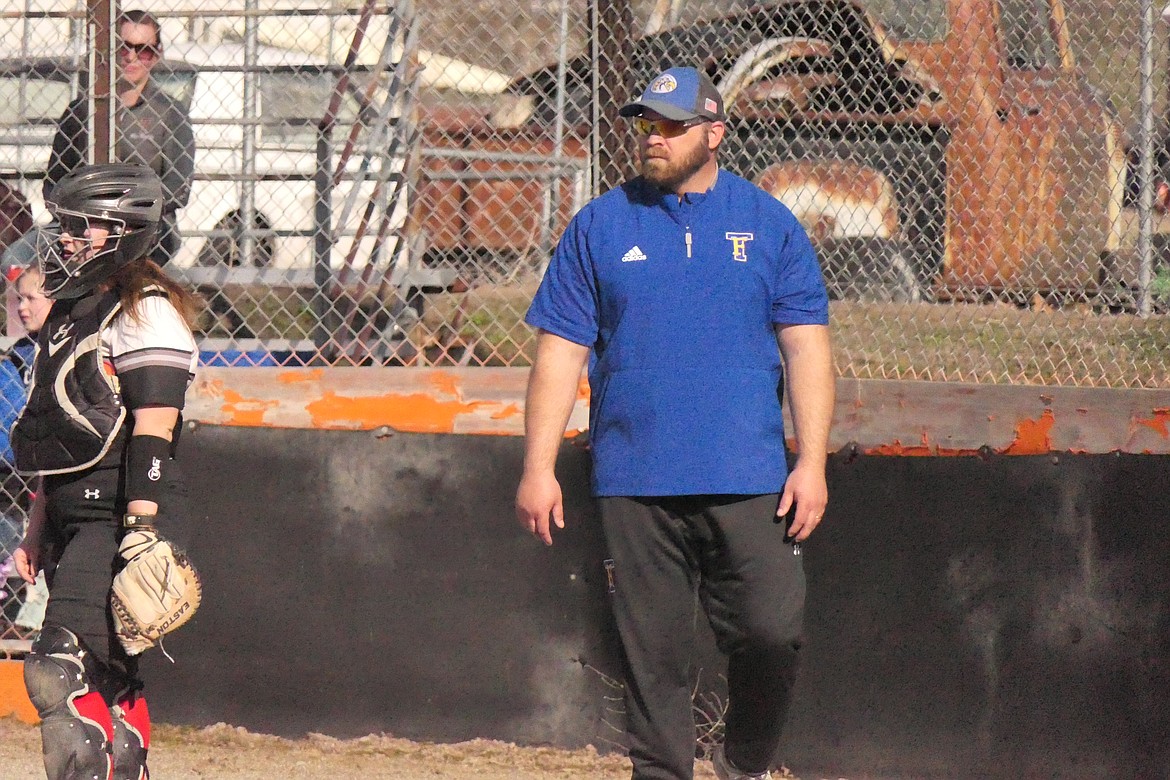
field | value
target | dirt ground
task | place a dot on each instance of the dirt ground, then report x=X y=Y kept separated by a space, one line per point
x=222 y=752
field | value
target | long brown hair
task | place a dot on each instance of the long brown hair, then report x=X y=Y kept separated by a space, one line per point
x=132 y=281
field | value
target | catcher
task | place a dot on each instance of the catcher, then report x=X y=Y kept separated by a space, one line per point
x=112 y=366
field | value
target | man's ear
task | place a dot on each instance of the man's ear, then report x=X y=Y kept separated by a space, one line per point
x=715 y=136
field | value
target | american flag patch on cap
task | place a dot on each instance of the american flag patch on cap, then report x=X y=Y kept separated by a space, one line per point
x=709 y=105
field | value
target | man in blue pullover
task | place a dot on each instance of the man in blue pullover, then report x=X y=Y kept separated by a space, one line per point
x=701 y=299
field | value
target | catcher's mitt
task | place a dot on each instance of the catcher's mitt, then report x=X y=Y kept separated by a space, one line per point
x=156 y=591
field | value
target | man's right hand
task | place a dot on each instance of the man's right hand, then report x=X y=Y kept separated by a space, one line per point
x=538 y=498
x=27 y=563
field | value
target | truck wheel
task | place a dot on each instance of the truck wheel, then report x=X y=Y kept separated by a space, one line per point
x=225 y=250
x=870 y=270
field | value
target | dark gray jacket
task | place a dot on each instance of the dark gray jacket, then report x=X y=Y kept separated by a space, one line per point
x=156 y=132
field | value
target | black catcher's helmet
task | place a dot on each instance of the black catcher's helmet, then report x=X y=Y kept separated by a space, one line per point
x=125 y=199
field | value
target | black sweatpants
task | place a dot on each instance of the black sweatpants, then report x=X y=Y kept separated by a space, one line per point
x=732 y=553
x=82 y=534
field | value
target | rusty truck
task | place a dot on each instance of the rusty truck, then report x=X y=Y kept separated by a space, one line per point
x=934 y=149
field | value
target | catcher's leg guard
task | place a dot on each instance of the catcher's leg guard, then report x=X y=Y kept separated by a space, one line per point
x=76 y=728
x=131 y=737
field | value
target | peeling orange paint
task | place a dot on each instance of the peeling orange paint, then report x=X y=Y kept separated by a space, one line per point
x=924 y=449
x=301 y=375
x=486 y=432
x=897 y=448
x=211 y=387
x=445 y=383
x=13 y=695
x=1157 y=423
x=415 y=413
x=511 y=410
x=245 y=411
x=491 y=402
x=1033 y=436
x=920 y=451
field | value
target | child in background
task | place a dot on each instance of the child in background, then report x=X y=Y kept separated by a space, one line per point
x=32 y=308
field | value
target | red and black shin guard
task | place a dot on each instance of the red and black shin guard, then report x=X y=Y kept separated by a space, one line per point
x=131 y=737
x=76 y=727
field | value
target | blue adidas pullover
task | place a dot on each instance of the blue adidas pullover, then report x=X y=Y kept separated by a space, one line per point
x=678 y=302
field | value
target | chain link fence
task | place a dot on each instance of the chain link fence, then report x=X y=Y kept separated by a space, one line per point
x=382 y=183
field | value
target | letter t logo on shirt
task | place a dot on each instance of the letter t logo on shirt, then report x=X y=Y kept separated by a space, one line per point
x=739 y=243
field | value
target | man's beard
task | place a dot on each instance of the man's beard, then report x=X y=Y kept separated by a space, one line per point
x=668 y=176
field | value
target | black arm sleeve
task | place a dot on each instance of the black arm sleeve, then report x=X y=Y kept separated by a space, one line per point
x=154 y=386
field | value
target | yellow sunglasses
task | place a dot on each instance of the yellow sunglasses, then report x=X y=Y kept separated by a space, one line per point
x=667 y=128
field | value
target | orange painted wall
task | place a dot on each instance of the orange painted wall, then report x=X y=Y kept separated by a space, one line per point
x=13 y=698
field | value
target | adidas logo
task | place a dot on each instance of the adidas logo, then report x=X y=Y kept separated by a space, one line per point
x=634 y=255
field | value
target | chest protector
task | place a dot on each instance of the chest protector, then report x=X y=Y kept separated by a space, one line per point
x=74 y=412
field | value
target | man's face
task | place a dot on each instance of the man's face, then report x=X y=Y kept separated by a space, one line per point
x=671 y=151
x=138 y=52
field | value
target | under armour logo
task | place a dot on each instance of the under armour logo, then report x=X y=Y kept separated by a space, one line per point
x=93 y=493
x=59 y=337
x=155 y=472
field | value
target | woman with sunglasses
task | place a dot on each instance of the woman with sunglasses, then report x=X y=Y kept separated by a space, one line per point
x=113 y=362
x=152 y=128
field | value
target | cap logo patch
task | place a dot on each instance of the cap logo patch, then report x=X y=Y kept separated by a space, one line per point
x=709 y=105
x=664 y=83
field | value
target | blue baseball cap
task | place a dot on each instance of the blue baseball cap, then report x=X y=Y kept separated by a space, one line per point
x=680 y=94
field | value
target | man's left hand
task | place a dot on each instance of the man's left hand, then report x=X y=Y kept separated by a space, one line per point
x=807 y=489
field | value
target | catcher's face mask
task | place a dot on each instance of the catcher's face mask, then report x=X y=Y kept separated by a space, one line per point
x=78 y=247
